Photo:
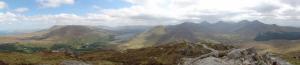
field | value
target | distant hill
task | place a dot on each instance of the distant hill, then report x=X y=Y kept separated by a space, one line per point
x=150 y=37
x=124 y=33
x=225 y=32
x=8 y=33
x=62 y=36
x=278 y=36
x=3 y=33
x=72 y=32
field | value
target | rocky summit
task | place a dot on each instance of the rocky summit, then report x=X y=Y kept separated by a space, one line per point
x=248 y=56
x=186 y=53
x=177 y=53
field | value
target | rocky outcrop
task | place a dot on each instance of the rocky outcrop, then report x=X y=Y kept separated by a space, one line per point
x=3 y=63
x=248 y=56
x=73 y=62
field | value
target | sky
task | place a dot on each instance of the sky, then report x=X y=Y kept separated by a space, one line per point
x=38 y=14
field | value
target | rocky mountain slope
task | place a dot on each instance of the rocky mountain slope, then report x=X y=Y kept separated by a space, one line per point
x=224 y=32
x=75 y=37
x=186 y=53
x=247 y=56
x=72 y=31
x=180 y=53
x=60 y=33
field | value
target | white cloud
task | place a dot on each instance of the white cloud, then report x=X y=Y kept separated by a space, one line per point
x=160 y=12
x=20 y=10
x=213 y=10
x=55 y=3
x=2 y=5
x=178 y=10
x=58 y=19
x=5 y=17
x=294 y=3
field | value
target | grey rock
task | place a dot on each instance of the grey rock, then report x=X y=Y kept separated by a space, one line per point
x=236 y=53
x=209 y=61
x=73 y=62
x=247 y=56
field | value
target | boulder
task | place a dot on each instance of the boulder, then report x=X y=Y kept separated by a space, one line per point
x=247 y=56
x=73 y=62
x=208 y=61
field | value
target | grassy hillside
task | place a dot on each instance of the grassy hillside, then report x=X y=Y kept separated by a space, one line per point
x=168 y=54
x=14 y=58
x=75 y=37
x=145 y=39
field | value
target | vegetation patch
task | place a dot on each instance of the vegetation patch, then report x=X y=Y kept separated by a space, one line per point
x=169 y=54
x=278 y=36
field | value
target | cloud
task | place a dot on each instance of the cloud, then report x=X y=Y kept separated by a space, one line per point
x=55 y=3
x=57 y=19
x=163 y=12
x=266 y=8
x=20 y=10
x=2 y=5
x=213 y=10
x=178 y=10
x=293 y=3
x=292 y=13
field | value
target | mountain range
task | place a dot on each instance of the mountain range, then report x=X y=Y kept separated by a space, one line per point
x=144 y=36
x=121 y=41
x=220 y=32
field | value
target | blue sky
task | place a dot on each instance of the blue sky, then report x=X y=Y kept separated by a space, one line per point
x=35 y=14
x=80 y=7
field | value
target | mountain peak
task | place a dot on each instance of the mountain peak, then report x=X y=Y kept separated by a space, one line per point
x=71 y=31
x=247 y=22
x=223 y=23
x=244 y=22
x=204 y=23
x=220 y=22
x=187 y=23
x=257 y=22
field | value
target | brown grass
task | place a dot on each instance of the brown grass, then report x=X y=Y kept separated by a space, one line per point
x=170 y=54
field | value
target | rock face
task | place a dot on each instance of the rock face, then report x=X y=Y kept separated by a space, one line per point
x=206 y=61
x=73 y=62
x=247 y=56
x=3 y=63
